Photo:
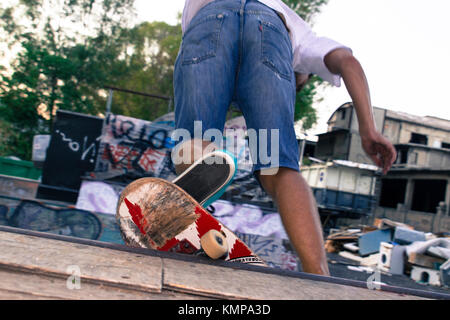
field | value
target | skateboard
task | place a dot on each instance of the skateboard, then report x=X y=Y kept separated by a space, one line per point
x=157 y=214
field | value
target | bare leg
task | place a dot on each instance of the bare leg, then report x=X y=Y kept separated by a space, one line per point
x=300 y=217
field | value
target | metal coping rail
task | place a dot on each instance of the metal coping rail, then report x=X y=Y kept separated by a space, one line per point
x=138 y=93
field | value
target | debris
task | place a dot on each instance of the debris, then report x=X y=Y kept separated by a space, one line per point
x=407 y=236
x=371 y=261
x=361 y=269
x=439 y=247
x=445 y=274
x=370 y=242
x=426 y=276
x=388 y=224
x=392 y=258
x=425 y=261
x=350 y=256
x=394 y=248
x=336 y=241
x=351 y=247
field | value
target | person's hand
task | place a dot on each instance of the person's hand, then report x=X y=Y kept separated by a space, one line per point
x=379 y=149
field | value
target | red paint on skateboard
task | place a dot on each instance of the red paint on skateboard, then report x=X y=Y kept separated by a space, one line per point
x=205 y=222
x=136 y=215
x=169 y=245
x=239 y=250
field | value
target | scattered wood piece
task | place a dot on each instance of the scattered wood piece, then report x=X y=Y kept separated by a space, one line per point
x=351 y=247
x=350 y=256
x=425 y=261
x=361 y=269
x=388 y=224
x=331 y=246
x=367 y=229
x=345 y=235
x=371 y=261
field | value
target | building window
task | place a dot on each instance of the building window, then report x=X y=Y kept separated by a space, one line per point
x=445 y=145
x=427 y=195
x=418 y=138
x=413 y=158
x=392 y=192
x=402 y=155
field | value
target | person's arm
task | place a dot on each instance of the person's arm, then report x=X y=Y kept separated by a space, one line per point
x=380 y=150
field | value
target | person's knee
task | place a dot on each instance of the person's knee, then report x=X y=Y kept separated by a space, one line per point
x=270 y=182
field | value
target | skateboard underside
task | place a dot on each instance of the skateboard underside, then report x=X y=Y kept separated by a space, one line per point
x=154 y=213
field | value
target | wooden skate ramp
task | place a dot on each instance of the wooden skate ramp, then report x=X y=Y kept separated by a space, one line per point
x=37 y=266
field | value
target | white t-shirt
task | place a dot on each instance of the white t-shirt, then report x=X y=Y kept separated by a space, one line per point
x=308 y=49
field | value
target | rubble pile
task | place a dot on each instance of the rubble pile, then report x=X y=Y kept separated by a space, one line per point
x=395 y=248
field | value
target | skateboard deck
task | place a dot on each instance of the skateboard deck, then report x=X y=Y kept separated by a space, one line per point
x=157 y=214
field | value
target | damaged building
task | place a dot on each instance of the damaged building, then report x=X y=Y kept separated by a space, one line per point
x=417 y=188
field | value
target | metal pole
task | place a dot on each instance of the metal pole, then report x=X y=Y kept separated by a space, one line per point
x=109 y=102
x=170 y=105
x=302 y=151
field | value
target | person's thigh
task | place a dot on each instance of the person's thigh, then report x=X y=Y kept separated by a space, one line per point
x=205 y=69
x=266 y=89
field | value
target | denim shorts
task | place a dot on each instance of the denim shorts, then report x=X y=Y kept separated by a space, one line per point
x=239 y=51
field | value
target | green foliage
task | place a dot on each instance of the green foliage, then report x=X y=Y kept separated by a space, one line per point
x=151 y=50
x=306 y=9
x=62 y=62
x=69 y=50
x=304 y=109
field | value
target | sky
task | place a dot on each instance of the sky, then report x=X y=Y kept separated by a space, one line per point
x=403 y=46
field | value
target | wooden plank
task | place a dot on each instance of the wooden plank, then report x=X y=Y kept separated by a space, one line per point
x=215 y=281
x=36 y=267
x=29 y=286
x=424 y=260
x=45 y=256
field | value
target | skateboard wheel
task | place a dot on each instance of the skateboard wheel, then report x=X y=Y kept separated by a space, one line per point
x=214 y=244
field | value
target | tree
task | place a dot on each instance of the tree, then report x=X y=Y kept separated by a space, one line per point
x=67 y=51
x=149 y=51
x=307 y=9
x=70 y=49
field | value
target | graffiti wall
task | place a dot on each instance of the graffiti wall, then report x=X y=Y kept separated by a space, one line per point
x=98 y=196
x=275 y=252
x=248 y=219
x=130 y=145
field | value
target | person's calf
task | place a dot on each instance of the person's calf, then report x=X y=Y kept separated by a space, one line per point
x=299 y=213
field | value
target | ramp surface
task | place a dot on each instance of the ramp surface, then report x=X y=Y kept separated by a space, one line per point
x=40 y=266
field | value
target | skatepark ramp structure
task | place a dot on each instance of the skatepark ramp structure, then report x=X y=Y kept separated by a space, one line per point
x=59 y=267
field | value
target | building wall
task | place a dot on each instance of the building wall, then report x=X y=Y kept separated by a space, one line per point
x=341 y=118
x=356 y=152
x=333 y=146
x=378 y=114
x=399 y=132
x=423 y=157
